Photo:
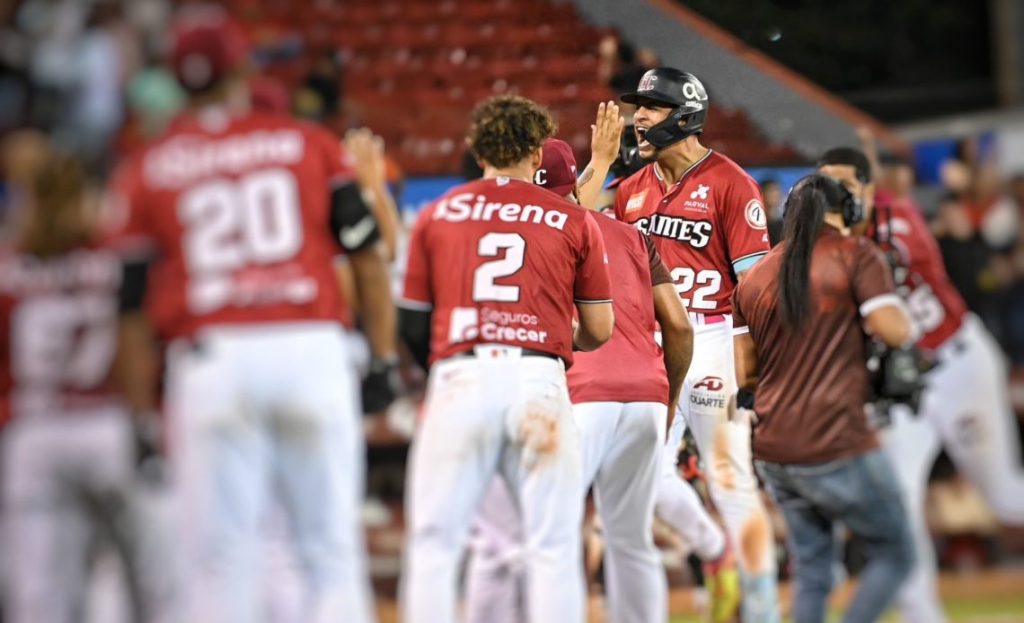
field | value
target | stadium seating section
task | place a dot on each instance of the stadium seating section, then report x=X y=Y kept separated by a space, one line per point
x=413 y=69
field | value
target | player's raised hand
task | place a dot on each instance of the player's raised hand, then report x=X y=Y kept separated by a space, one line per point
x=606 y=132
x=367 y=150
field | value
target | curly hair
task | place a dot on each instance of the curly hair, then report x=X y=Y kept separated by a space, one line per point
x=507 y=128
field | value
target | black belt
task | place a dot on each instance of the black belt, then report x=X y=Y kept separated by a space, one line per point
x=523 y=352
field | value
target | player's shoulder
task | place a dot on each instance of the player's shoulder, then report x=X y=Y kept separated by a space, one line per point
x=721 y=167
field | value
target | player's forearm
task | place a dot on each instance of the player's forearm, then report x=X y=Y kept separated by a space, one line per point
x=377 y=311
x=134 y=368
x=385 y=210
x=677 y=346
x=745 y=361
x=591 y=182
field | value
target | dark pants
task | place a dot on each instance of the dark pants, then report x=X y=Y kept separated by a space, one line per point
x=861 y=493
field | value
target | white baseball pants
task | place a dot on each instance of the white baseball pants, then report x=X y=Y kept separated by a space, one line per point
x=495 y=414
x=68 y=480
x=259 y=413
x=622 y=460
x=723 y=436
x=966 y=408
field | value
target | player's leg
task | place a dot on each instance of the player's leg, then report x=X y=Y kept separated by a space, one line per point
x=679 y=506
x=319 y=454
x=453 y=458
x=624 y=491
x=221 y=467
x=723 y=435
x=494 y=575
x=977 y=426
x=543 y=467
x=121 y=511
x=45 y=527
x=912 y=444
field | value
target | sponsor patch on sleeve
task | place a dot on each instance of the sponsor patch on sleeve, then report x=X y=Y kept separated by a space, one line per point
x=636 y=201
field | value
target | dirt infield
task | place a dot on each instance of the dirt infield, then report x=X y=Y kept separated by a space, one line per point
x=995 y=596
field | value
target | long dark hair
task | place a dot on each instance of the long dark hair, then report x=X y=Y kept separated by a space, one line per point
x=56 y=220
x=806 y=205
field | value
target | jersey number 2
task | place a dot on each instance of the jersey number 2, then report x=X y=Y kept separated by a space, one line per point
x=484 y=288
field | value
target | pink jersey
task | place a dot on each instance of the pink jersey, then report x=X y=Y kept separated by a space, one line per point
x=630 y=367
x=707 y=226
x=235 y=211
x=935 y=306
x=58 y=331
x=500 y=261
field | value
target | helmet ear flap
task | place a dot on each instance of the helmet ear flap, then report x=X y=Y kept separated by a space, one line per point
x=679 y=124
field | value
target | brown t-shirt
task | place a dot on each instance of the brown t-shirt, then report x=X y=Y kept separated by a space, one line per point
x=813 y=383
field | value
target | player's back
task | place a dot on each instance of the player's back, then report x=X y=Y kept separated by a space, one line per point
x=58 y=320
x=630 y=366
x=237 y=209
x=501 y=262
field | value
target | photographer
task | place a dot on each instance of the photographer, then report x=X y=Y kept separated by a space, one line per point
x=799 y=338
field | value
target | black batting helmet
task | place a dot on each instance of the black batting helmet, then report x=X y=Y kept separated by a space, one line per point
x=677 y=88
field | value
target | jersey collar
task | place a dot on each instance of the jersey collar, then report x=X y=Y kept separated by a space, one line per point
x=661 y=177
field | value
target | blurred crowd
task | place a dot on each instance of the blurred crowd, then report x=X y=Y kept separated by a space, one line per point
x=979 y=223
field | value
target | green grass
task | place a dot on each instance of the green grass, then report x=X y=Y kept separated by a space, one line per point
x=1002 y=610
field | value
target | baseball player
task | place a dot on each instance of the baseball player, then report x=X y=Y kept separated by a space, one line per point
x=69 y=461
x=495 y=266
x=620 y=395
x=230 y=224
x=976 y=427
x=707 y=221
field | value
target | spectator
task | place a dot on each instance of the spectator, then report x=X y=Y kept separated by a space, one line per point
x=105 y=57
x=964 y=252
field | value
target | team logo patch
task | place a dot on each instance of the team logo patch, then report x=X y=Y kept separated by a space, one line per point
x=636 y=201
x=755 y=214
x=647 y=82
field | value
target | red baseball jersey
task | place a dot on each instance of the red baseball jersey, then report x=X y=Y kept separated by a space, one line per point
x=630 y=367
x=935 y=306
x=235 y=211
x=58 y=331
x=708 y=226
x=501 y=261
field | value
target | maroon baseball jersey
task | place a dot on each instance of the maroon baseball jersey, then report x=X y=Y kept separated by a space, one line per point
x=708 y=226
x=235 y=211
x=501 y=261
x=630 y=367
x=935 y=306
x=58 y=331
